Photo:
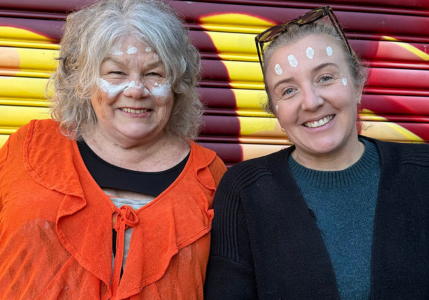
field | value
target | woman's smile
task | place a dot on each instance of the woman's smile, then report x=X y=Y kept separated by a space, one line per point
x=319 y=123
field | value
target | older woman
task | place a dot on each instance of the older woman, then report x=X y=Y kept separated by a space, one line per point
x=336 y=216
x=111 y=199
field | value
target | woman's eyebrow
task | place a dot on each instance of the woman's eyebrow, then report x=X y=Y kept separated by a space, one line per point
x=320 y=67
x=286 y=80
x=116 y=61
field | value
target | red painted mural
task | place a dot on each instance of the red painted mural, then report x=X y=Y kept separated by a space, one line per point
x=391 y=36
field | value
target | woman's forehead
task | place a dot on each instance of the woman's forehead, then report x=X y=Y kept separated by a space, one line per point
x=309 y=50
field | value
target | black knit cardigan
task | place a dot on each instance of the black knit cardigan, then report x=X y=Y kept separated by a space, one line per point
x=266 y=244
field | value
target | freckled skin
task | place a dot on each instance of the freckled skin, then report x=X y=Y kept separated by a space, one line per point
x=306 y=94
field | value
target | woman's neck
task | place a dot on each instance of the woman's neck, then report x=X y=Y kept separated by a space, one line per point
x=154 y=156
x=333 y=161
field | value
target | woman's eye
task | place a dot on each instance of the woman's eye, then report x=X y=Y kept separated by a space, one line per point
x=117 y=73
x=325 y=78
x=288 y=91
x=153 y=74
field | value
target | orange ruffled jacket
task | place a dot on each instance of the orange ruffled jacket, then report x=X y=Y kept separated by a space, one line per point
x=56 y=226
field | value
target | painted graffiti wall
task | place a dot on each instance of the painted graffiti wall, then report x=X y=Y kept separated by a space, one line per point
x=392 y=37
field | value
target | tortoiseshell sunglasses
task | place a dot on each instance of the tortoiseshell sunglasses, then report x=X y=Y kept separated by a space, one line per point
x=271 y=34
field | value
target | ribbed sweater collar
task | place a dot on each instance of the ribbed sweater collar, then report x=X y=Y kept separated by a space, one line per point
x=369 y=160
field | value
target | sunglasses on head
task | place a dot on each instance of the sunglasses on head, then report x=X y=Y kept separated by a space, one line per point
x=271 y=34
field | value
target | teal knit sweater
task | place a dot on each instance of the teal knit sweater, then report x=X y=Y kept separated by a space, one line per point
x=343 y=204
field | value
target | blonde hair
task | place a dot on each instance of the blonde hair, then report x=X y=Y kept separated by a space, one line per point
x=89 y=36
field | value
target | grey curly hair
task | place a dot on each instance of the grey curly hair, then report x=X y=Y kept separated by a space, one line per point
x=91 y=34
x=357 y=68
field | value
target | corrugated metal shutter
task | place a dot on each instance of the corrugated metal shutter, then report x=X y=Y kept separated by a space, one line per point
x=392 y=36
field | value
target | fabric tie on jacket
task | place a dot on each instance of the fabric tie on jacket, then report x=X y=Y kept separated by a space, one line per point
x=125 y=218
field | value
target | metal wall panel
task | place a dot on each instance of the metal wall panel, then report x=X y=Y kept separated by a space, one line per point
x=392 y=36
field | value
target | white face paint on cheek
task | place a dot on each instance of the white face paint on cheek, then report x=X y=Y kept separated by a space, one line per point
x=329 y=51
x=344 y=81
x=292 y=61
x=277 y=108
x=112 y=90
x=278 y=69
x=155 y=57
x=131 y=50
x=148 y=49
x=309 y=52
x=161 y=92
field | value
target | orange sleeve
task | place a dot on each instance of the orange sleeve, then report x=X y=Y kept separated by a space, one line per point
x=3 y=153
x=217 y=168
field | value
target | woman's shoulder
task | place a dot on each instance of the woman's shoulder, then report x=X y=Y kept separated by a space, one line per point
x=41 y=127
x=249 y=171
x=403 y=153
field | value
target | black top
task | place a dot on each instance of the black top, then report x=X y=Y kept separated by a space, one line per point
x=109 y=176
x=266 y=245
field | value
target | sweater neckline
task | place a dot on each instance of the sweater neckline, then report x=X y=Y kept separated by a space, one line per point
x=348 y=176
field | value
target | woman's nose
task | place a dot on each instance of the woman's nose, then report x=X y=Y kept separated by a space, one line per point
x=311 y=100
x=136 y=90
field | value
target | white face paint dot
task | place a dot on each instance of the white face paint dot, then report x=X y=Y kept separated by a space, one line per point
x=277 y=108
x=116 y=51
x=309 y=52
x=148 y=49
x=278 y=69
x=131 y=50
x=155 y=57
x=329 y=51
x=344 y=81
x=292 y=61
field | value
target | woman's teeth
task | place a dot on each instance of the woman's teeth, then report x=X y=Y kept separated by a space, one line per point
x=134 y=111
x=319 y=123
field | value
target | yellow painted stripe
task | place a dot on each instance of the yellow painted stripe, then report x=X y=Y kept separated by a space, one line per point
x=413 y=50
x=232 y=46
x=264 y=127
x=388 y=131
x=250 y=102
x=264 y=140
x=22 y=91
x=13 y=117
x=235 y=22
x=244 y=75
x=27 y=62
x=3 y=139
x=18 y=35
x=29 y=45
x=252 y=151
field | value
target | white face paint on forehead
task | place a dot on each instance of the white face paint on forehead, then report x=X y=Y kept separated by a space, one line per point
x=278 y=69
x=116 y=50
x=131 y=50
x=309 y=52
x=292 y=61
x=344 y=80
x=329 y=51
